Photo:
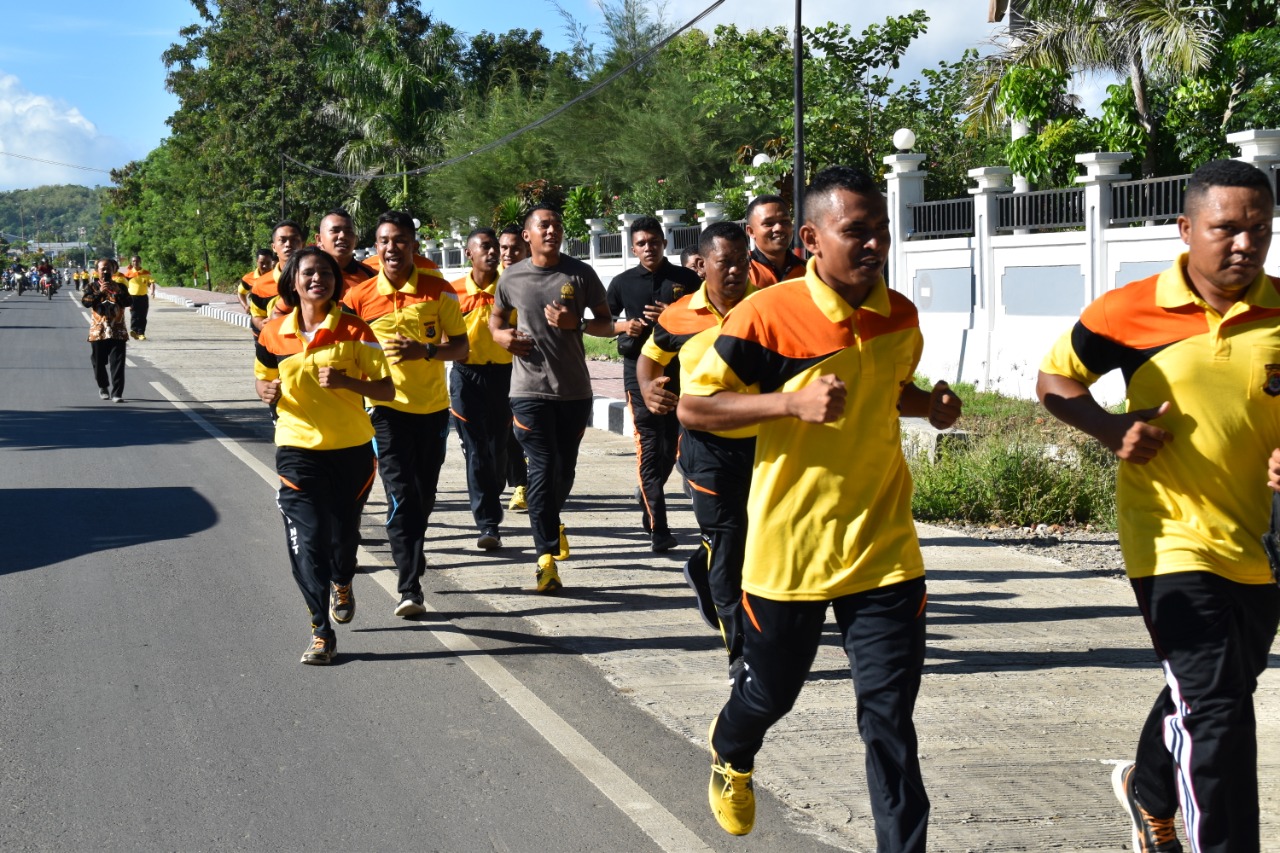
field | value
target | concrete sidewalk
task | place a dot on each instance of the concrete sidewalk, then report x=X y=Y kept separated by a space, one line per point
x=1037 y=681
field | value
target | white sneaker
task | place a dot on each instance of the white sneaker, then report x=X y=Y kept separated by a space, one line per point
x=409 y=607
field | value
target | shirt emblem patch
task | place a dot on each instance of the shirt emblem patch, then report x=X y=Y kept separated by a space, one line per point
x=431 y=330
x=677 y=291
x=1271 y=387
x=566 y=292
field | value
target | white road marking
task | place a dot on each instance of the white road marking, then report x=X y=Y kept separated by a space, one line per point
x=645 y=812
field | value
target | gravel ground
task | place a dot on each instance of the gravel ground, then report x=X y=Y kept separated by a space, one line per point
x=1077 y=547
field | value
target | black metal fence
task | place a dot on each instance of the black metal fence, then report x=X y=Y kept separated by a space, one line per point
x=933 y=219
x=683 y=237
x=577 y=247
x=610 y=246
x=1148 y=200
x=1042 y=211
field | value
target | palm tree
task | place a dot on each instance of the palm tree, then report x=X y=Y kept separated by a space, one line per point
x=391 y=93
x=1143 y=40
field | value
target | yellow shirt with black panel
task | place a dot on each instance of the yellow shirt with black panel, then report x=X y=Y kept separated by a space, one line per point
x=264 y=292
x=309 y=416
x=140 y=281
x=830 y=504
x=1202 y=503
x=476 y=304
x=423 y=309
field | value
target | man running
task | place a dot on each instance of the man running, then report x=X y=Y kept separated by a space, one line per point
x=415 y=315
x=550 y=294
x=141 y=288
x=337 y=236
x=769 y=226
x=512 y=249
x=286 y=238
x=823 y=366
x=264 y=261
x=1199 y=348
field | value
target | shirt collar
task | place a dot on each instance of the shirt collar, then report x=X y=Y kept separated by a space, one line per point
x=832 y=304
x=386 y=288
x=700 y=301
x=1173 y=290
x=472 y=287
x=290 y=324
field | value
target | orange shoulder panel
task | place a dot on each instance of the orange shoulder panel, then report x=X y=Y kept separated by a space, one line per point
x=1130 y=316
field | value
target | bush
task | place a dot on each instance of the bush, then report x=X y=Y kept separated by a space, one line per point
x=1023 y=471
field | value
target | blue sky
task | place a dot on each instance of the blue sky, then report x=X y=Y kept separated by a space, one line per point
x=82 y=82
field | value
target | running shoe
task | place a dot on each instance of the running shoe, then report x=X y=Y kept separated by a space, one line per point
x=409 y=607
x=104 y=394
x=696 y=576
x=663 y=542
x=731 y=794
x=1150 y=834
x=547 y=577
x=518 y=502
x=321 y=651
x=489 y=540
x=117 y=399
x=342 y=603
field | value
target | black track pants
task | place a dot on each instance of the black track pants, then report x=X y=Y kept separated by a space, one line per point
x=550 y=431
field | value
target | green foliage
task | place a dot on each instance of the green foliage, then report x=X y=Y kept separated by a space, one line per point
x=509 y=211
x=1020 y=471
x=583 y=202
x=1033 y=95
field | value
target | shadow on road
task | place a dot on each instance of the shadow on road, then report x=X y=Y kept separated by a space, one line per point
x=102 y=425
x=55 y=525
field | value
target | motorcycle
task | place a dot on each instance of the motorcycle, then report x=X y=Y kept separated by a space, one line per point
x=48 y=285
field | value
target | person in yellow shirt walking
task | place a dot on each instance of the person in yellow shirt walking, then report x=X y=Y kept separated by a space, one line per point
x=141 y=287
x=415 y=315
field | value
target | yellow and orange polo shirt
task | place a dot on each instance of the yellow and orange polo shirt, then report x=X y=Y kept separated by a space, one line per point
x=830 y=504
x=264 y=291
x=476 y=304
x=688 y=327
x=140 y=281
x=307 y=415
x=764 y=275
x=1202 y=503
x=423 y=309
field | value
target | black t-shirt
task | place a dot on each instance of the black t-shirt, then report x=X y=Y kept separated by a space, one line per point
x=627 y=295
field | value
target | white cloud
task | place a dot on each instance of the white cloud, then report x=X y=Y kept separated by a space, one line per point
x=50 y=129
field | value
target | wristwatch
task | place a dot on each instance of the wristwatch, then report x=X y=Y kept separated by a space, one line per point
x=582 y=326
x=432 y=349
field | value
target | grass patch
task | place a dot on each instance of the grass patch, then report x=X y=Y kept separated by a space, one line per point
x=600 y=349
x=1021 y=467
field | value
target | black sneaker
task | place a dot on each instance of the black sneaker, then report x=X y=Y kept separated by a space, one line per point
x=410 y=607
x=321 y=651
x=663 y=542
x=342 y=603
x=489 y=540
x=1150 y=834
x=695 y=575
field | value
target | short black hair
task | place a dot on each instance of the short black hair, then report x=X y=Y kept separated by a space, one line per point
x=482 y=232
x=289 y=274
x=817 y=195
x=648 y=225
x=1224 y=173
x=340 y=211
x=731 y=231
x=398 y=218
x=543 y=206
x=270 y=254
x=286 y=223
x=513 y=229
x=763 y=200
x=690 y=252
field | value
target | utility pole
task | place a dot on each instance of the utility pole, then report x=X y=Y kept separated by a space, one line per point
x=797 y=165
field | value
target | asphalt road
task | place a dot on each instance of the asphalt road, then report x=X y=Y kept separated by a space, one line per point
x=151 y=696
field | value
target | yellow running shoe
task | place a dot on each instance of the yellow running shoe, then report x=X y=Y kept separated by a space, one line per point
x=518 y=502
x=730 y=793
x=548 y=579
x=564 y=545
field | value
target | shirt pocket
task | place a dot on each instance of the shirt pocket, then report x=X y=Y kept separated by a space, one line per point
x=1264 y=373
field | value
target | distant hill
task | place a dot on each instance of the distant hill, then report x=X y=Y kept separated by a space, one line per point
x=52 y=213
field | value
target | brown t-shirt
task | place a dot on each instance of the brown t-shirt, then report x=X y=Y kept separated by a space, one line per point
x=556 y=368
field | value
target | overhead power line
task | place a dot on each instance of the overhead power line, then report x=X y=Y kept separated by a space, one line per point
x=56 y=163
x=498 y=143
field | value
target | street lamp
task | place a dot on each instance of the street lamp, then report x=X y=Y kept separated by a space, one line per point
x=904 y=139
x=204 y=244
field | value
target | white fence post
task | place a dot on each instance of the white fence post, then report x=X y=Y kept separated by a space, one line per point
x=670 y=220
x=712 y=212
x=627 y=219
x=992 y=182
x=598 y=227
x=904 y=185
x=1259 y=148
x=1102 y=169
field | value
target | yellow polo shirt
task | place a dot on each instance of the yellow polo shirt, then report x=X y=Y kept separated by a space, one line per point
x=309 y=416
x=830 y=504
x=140 y=281
x=1202 y=504
x=424 y=309
x=476 y=304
